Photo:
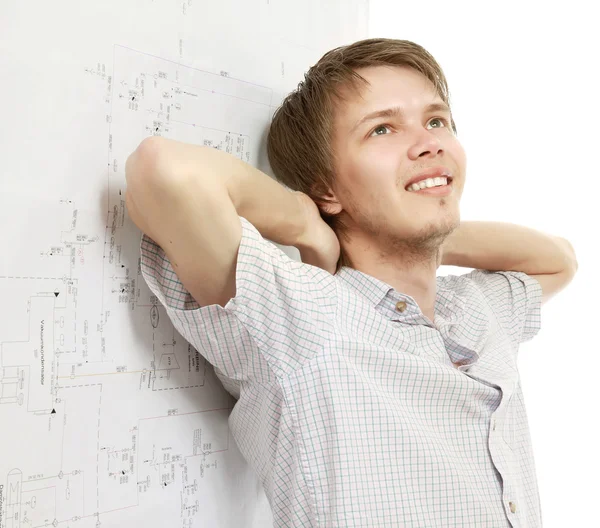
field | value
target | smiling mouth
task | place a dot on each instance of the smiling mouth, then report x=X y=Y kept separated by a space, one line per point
x=449 y=180
x=438 y=190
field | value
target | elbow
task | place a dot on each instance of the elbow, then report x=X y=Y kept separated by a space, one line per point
x=150 y=147
x=146 y=165
x=570 y=251
x=566 y=260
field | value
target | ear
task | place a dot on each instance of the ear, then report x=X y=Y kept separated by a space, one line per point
x=331 y=206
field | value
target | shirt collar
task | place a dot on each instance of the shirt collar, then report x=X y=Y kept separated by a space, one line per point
x=384 y=297
x=464 y=331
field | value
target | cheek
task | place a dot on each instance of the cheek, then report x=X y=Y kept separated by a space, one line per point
x=380 y=166
x=457 y=151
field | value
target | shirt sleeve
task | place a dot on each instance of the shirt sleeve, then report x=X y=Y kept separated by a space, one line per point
x=515 y=298
x=276 y=321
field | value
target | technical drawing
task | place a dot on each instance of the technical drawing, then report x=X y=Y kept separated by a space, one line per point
x=93 y=343
x=108 y=416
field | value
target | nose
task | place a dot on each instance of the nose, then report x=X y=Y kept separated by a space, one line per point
x=426 y=143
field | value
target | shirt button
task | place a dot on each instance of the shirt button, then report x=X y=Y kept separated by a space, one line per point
x=513 y=507
x=400 y=306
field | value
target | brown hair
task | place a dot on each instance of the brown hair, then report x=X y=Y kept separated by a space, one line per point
x=299 y=141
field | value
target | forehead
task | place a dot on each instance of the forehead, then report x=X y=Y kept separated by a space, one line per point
x=386 y=86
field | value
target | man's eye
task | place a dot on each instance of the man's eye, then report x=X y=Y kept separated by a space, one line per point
x=380 y=127
x=441 y=119
x=383 y=127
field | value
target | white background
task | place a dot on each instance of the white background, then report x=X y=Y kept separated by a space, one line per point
x=523 y=80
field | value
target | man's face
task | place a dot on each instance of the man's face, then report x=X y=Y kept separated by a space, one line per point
x=376 y=159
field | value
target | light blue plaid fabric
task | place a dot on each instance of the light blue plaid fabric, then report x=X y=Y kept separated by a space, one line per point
x=351 y=410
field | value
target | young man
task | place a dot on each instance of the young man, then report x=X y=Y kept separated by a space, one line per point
x=370 y=391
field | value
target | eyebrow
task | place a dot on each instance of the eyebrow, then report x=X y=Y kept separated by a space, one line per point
x=396 y=111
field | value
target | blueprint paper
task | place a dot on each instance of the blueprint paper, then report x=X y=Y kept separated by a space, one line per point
x=108 y=417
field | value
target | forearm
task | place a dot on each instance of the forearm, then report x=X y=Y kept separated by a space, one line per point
x=274 y=211
x=500 y=246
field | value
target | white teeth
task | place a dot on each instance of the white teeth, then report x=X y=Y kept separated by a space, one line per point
x=429 y=182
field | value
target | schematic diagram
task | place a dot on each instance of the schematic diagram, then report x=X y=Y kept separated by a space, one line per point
x=128 y=413
x=108 y=417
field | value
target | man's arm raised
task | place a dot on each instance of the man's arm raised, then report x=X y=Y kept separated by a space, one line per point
x=187 y=199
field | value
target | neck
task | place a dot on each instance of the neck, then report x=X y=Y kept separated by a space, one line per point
x=409 y=271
